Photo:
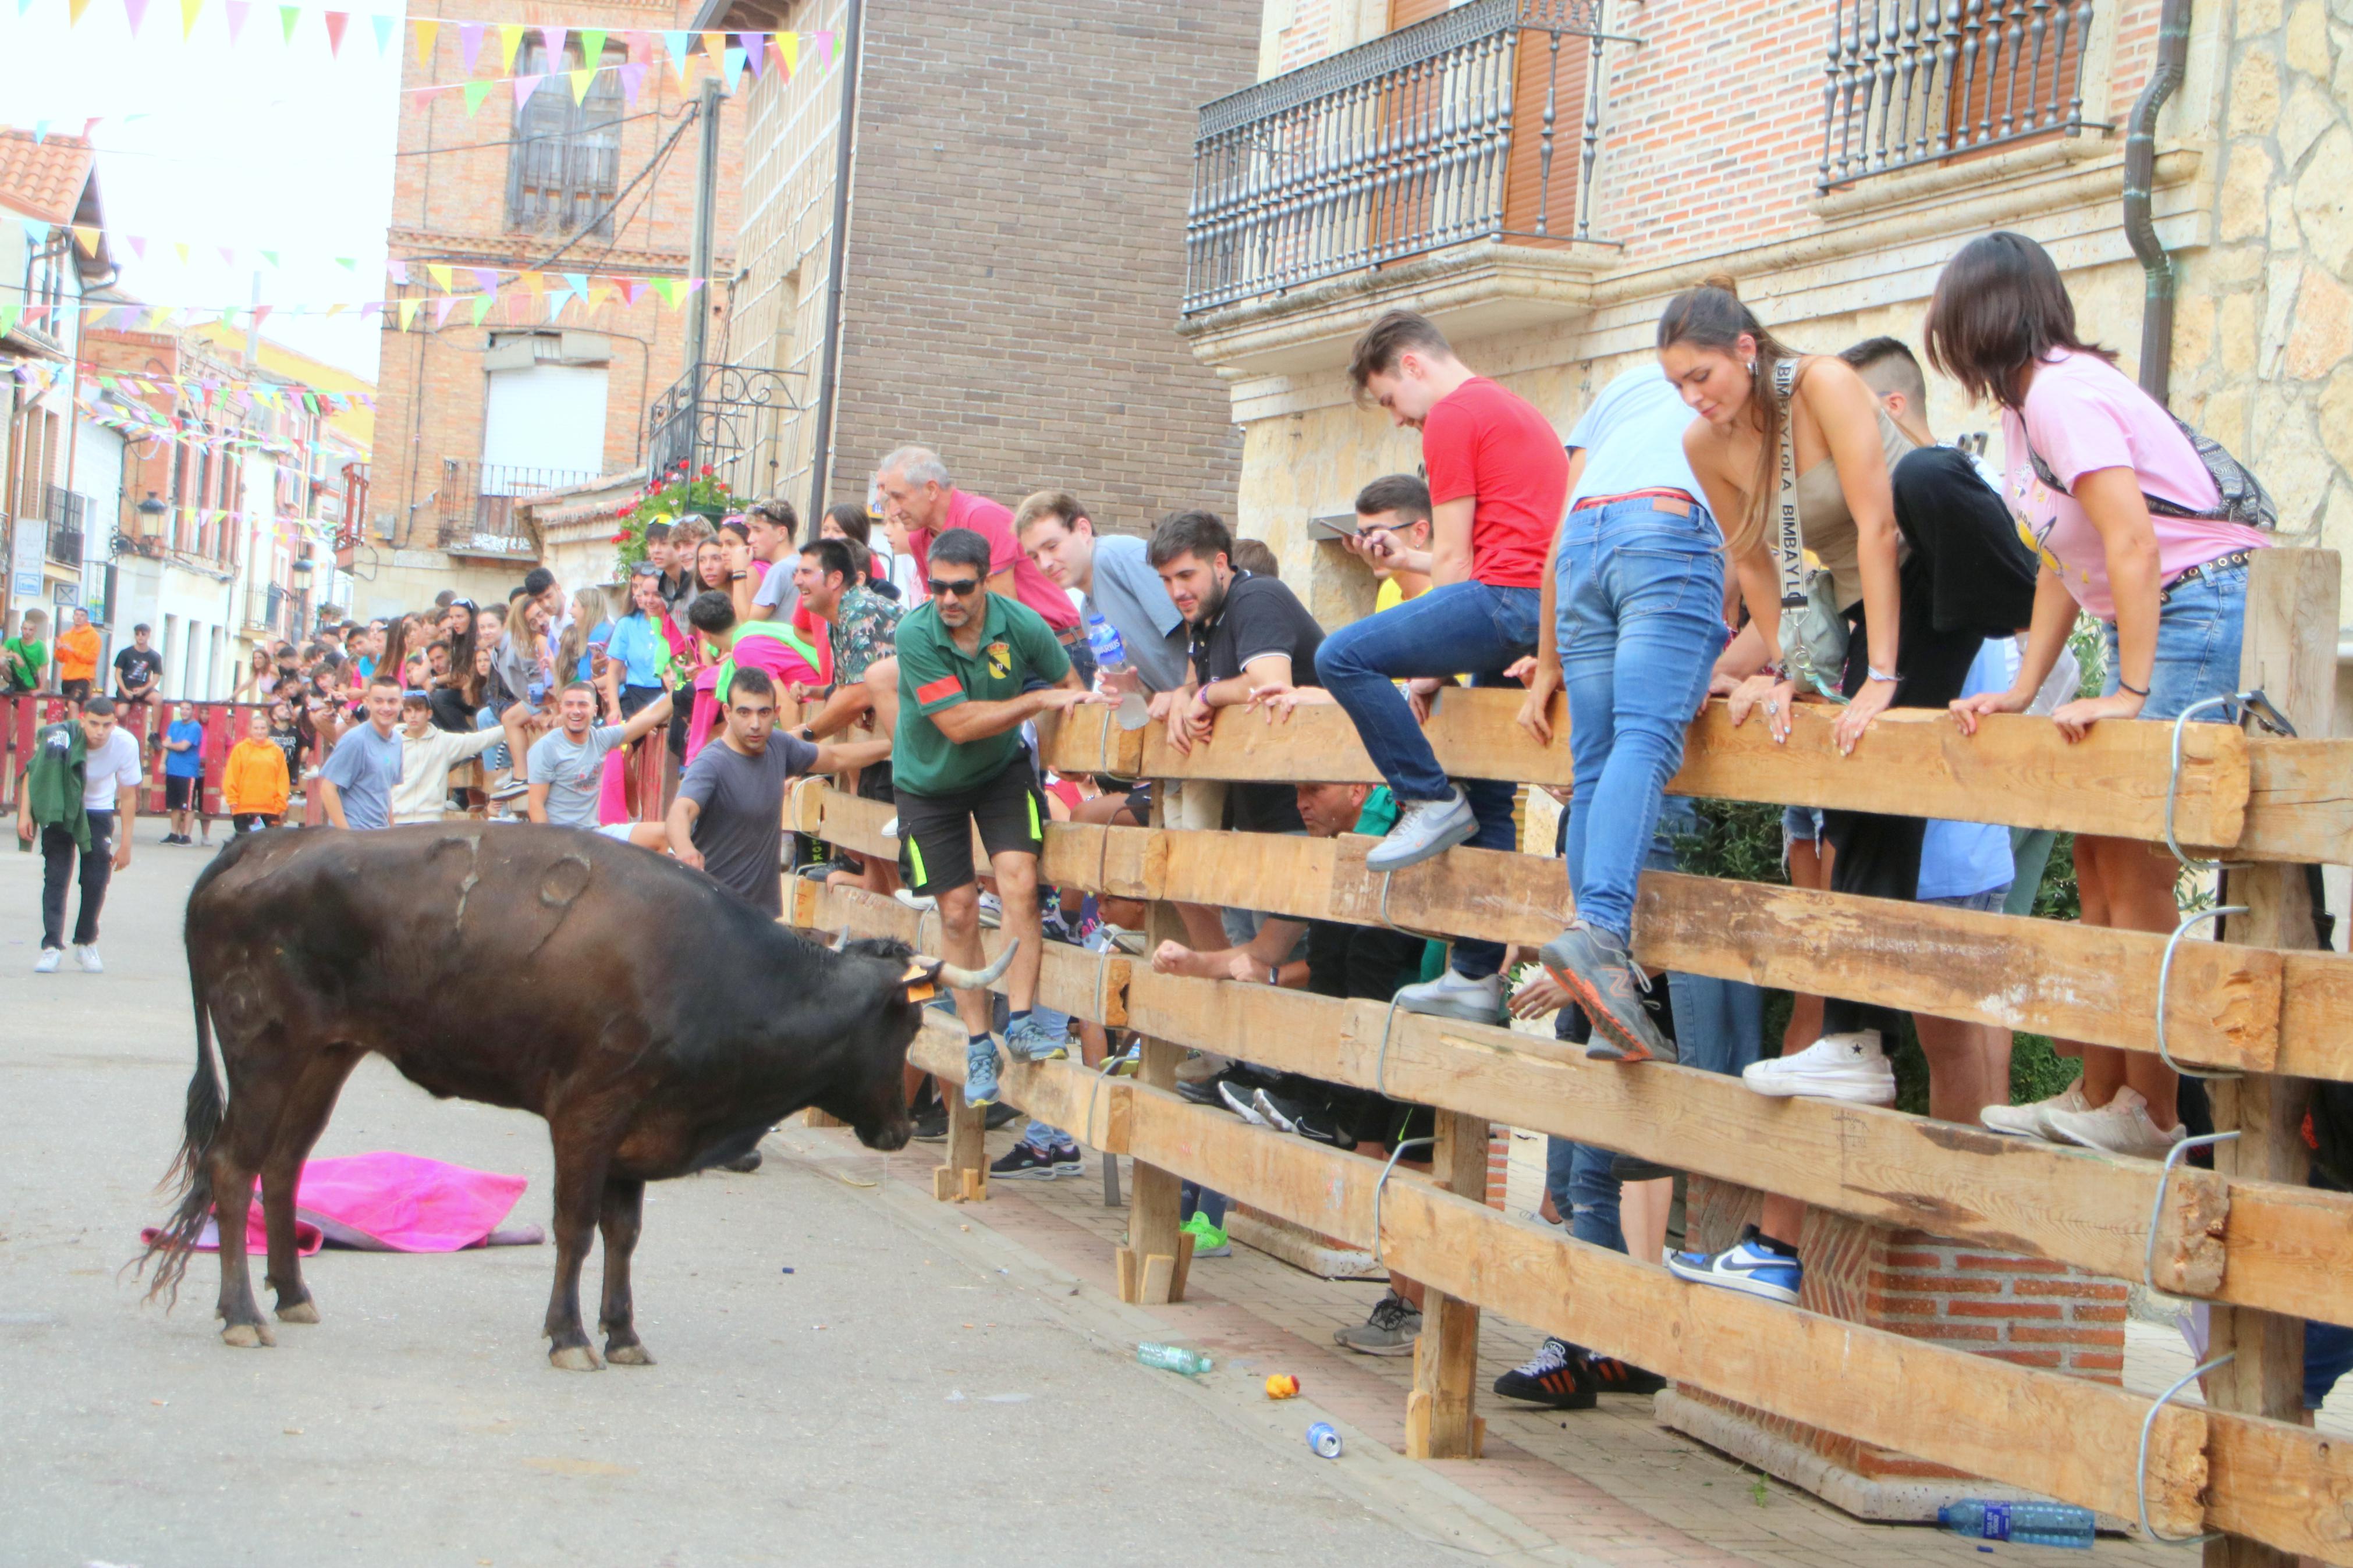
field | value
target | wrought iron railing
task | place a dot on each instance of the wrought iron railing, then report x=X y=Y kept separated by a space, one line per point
x=1447 y=130
x=1918 y=81
x=478 y=506
x=723 y=416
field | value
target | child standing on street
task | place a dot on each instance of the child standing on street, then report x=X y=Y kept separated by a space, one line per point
x=254 y=783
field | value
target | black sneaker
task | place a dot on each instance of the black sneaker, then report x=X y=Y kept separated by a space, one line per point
x=1607 y=1375
x=932 y=1126
x=1317 y=1125
x=1026 y=1162
x=1550 y=1379
x=743 y=1165
x=1001 y=1115
x=1284 y=1113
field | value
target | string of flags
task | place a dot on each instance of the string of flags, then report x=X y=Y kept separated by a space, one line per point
x=42 y=375
x=540 y=299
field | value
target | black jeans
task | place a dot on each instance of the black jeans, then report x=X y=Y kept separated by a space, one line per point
x=57 y=851
x=1967 y=577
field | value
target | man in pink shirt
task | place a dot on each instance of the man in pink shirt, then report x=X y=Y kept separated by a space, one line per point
x=919 y=497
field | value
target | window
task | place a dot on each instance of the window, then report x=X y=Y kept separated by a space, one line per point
x=566 y=166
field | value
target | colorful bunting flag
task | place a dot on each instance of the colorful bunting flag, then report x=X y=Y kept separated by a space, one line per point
x=481 y=307
x=237 y=10
x=138 y=246
x=592 y=45
x=88 y=236
x=270 y=257
x=469 y=43
x=509 y=40
x=754 y=50
x=385 y=25
x=441 y=309
x=137 y=11
x=676 y=44
x=715 y=48
x=398 y=271
x=429 y=30
x=552 y=38
x=336 y=22
x=524 y=86
x=183 y=250
x=441 y=273
x=408 y=312
x=188 y=9
x=475 y=92
x=485 y=279
x=9 y=314
x=580 y=80
x=633 y=77
x=732 y=67
x=789 y=50
x=287 y=16
x=824 y=48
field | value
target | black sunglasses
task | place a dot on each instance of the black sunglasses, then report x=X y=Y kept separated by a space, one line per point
x=961 y=590
x=645 y=569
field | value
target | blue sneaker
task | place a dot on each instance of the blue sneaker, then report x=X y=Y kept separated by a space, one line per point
x=980 y=1071
x=1027 y=1041
x=1747 y=1266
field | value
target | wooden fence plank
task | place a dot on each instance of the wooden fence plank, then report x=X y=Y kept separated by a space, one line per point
x=2017 y=771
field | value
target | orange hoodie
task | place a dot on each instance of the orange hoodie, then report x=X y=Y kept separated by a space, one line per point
x=256 y=779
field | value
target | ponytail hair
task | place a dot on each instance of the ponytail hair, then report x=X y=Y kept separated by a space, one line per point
x=1712 y=317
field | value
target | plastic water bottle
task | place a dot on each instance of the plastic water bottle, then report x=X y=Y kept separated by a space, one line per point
x=1118 y=674
x=2022 y=1523
x=1324 y=1440
x=1173 y=1358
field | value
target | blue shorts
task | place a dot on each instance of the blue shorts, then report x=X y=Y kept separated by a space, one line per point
x=2199 y=629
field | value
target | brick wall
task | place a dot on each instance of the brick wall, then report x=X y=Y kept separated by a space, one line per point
x=1016 y=252
x=451 y=206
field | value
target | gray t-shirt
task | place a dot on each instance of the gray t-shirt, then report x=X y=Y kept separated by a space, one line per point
x=741 y=800
x=1129 y=595
x=777 y=591
x=363 y=768
x=573 y=774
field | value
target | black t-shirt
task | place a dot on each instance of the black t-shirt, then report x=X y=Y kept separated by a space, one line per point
x=1260 y=616
x=451 y=711
x=137 y=666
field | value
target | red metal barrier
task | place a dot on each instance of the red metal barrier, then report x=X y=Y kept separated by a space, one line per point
x=23 y=714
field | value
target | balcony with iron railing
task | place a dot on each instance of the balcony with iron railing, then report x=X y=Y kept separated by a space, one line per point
x=1481 y=123
x=477 y=503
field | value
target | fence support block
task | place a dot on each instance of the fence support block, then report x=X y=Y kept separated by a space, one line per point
x=1440 y=1420
x=964 y=1174
x=1153 y=1265
x=2290 y=655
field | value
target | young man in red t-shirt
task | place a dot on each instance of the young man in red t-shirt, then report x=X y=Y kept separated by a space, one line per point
x=1498 y=479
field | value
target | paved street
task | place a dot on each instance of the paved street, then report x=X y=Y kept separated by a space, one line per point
x=916 y=1389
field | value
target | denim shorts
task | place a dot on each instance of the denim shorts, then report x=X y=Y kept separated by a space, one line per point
x=1985 y=903
x=2199 y=629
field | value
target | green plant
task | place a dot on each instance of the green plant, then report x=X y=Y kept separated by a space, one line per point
x=665 y=500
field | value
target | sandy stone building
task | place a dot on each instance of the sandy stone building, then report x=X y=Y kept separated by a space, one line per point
x=1541 y=175
x=595 y=179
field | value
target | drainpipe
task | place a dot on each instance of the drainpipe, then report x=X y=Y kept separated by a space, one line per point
x=2141 y=179
x=829 y=352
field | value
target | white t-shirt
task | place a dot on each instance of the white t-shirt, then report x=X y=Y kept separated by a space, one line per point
x=114 y=765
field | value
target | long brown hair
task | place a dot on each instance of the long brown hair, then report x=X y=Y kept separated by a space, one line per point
x=1712 y=317
x=587 y=615
x=2000 y=308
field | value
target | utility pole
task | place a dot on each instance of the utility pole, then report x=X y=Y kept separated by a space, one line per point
x=698 y=305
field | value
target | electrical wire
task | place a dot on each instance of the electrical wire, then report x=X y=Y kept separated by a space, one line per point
x=661 y=155
x=542 y=136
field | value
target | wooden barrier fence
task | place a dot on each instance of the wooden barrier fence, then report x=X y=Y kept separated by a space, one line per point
x=2248 y=1236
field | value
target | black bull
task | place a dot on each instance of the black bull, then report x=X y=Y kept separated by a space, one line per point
x=657 y=1020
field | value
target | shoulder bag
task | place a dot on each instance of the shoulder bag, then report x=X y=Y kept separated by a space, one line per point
x=1813 y=632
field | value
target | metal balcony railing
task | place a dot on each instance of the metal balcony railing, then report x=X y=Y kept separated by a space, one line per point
x=478 y=501
x=1447 y=130
x=732 y=418
x=1918 y=81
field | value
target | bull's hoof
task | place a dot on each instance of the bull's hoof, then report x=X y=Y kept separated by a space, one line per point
x=305 y=1312
x=628 y=1355
x=248 y=1336
x=575 y=1358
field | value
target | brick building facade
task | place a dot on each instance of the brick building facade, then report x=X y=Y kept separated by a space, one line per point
x=600 y=183
x=1014 y=255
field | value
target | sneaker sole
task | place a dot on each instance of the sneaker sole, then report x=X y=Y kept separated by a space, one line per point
x=939 y=1137
x=1545 y=1399
x=1622 y=1045
x=1880 y=1091
x=1430 y=851
x=1450 y=1010
x=1031 y=1173
x=1745 y=1284
x=1405 y=1349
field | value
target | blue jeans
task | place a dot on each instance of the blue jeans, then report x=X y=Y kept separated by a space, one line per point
x=2198 y=629
x=497 y=757
x=1640 y=596
x=1038 y=1135
x=1457 y=627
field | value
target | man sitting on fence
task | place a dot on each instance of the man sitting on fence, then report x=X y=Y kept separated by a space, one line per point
x=137 y=671
x=78 y=651
x=567 y=766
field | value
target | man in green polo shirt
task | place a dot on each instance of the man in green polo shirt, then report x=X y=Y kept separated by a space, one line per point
x=974 y=666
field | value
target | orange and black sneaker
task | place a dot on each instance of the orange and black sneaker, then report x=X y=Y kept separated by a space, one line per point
x=1563 y=1376
x=1592 y=965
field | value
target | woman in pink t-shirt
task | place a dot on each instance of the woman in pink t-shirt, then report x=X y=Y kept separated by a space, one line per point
x=2170 y=591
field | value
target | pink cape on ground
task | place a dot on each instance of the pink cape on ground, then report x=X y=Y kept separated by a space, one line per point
x=391 y=1203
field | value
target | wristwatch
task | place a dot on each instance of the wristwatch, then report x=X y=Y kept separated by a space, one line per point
x=808 y=733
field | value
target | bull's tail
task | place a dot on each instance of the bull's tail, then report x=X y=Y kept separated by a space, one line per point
x=190 y=1178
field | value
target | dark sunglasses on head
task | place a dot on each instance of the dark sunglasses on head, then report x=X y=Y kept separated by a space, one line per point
x=645 y=569
x=960 y=589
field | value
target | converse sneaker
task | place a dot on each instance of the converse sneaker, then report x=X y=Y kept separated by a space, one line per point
x=2120 y=1127
x=1424 y=828
x=512 y=789
x=1390 y=1329
x=1752 y=1266
x=2026 y=1120
x=1454 y=996
x=1850 y=1067
x=1592 y=965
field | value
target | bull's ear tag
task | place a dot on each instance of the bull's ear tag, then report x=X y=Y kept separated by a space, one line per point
x=918 y=982
x=922 y=991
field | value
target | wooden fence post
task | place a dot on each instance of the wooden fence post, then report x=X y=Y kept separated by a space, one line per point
x=1440 y=1420
x=965 y=1172
x=2290 y=655
x=1152 y=1267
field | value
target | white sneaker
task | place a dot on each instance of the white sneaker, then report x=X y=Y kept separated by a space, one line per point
x=1453 y=996
x=47 y=963
x=1850 y=1067
x=891 y=828
x=992 y=911
x=2120 y=1127
x=2026 y=1120
x=924 y=901
x=87 y=956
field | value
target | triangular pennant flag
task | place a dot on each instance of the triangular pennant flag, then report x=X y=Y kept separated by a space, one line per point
x=580 y=80
x=88 y=236
x=138 y=244
x=237 y=10
x=676 y=44
x=672 y=289
x=348 y=263
x=524 y=86
x=788 y=49
x=384 y=26
x=40 y=131
x=398 y=271
x=635 y=289
x=592 y=47
x=441 y=309
x=336 y=22
x=554 y=38
x=160 y=316
x=287 y=16
x=137 y=11
x=756 y=50
x=633 y=77
x=371 y=307
x=270 y=257
x=36 y=233
x=261 y=314
x=535 y=282
x=715 y=47
x=731 y=64
x=469 y=43
x=182 y=248
x=824 y=47
x=74 y=8
x=485 y=279
x=407 y=313
x=9 y=314
x=481 y=307
x=475 y=92
x=578 y=283
x=509 y=40
x=188 y=9
x=427 y=30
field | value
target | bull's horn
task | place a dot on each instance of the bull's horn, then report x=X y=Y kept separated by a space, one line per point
x=842 y=939
x=957 y=979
